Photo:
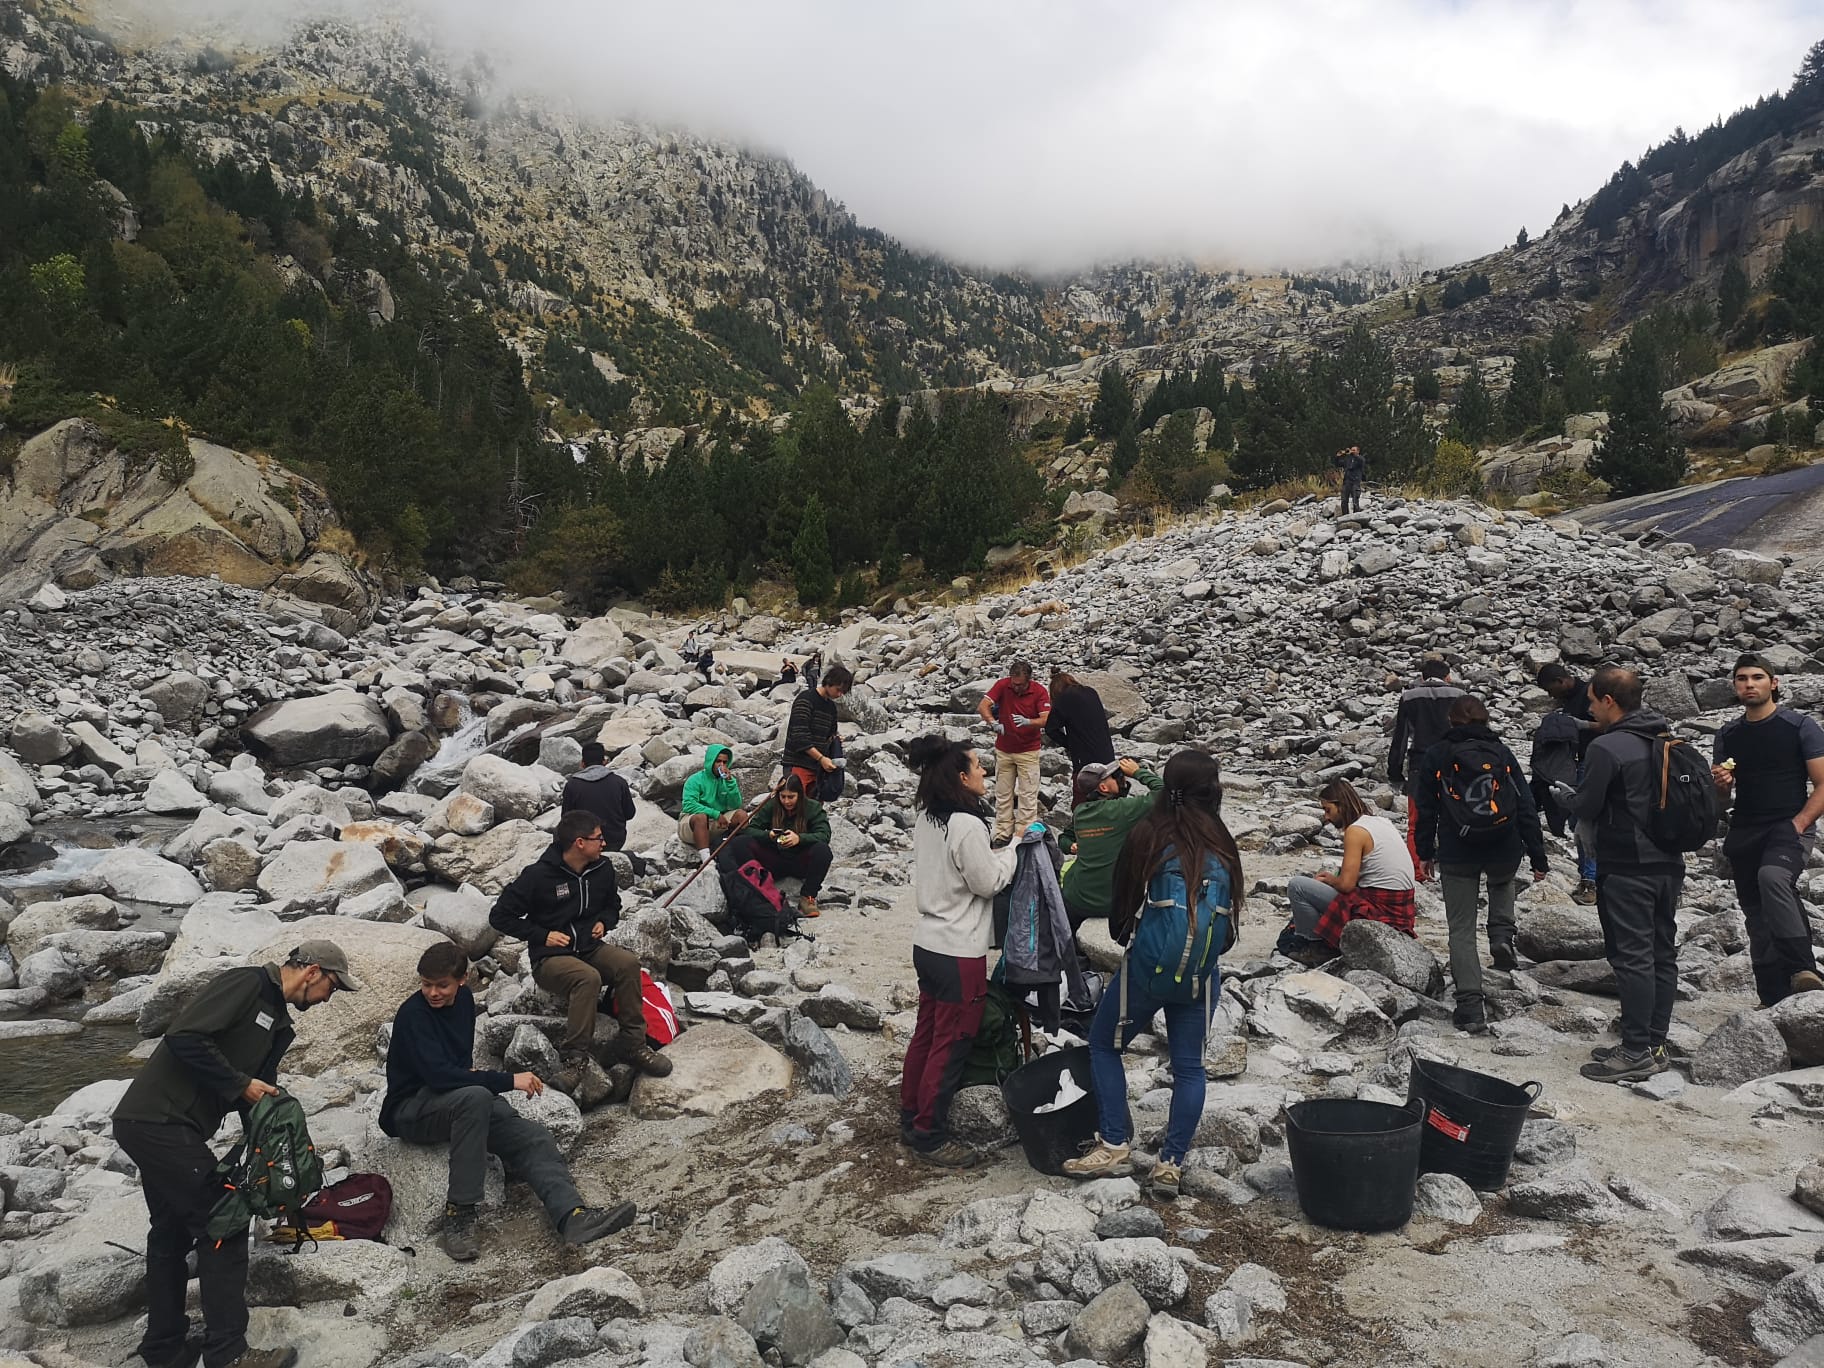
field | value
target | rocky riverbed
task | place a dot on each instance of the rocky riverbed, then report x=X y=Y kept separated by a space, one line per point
x=259 y=777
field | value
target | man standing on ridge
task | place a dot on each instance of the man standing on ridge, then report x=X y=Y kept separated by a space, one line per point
x=1766 y=758
x=221 y=1052
x=1355 y=474
x=1638 y=882
x=1422 y=719
x=1017 y=707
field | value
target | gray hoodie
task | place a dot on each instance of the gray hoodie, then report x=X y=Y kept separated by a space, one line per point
x=1618 y=786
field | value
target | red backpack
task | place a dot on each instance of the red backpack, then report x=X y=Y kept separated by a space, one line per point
x=661 y=1016
x=356 y=1208
x=757 y=904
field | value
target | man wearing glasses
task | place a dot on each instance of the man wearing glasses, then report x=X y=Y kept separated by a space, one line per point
x=222 y=1051
x=562 y=905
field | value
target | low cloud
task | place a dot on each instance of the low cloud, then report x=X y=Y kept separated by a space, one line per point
x=1050 y=134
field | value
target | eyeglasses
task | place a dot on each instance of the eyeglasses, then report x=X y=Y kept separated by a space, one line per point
x=597 y=839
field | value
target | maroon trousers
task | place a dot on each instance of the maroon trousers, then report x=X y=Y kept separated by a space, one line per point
x=951 y=995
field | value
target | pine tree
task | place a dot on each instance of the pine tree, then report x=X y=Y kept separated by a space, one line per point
x=813 y=574
x=1525 y=400
x=1426 y=388
x=1473 y=415
x=1732 y=293
x=1126 y=455
x=1640 y=454
x=1271 y=439
x=1114 y=404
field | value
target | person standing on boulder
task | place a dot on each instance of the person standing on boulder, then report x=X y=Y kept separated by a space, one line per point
x=1767 y=759
x=1423 y=716
x=1017 y=707
x=562 y=905
x=955 y=875
x=1355 y=473
x=1476 y=818
x=1079 y=723
x=1638 y=883
x=599 y=790
x=711 y=807
x=435 y=1095
x=221 y=1052
x=810 y=728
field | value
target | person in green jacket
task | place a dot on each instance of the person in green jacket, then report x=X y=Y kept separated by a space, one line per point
x=712 y=803
x=790 y=836
x=1104 y=812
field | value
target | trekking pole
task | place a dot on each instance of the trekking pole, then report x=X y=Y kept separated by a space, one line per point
x=712 y=854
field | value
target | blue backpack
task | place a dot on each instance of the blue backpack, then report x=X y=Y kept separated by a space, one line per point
x=1179 y=939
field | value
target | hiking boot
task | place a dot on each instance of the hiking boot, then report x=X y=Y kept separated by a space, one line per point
x=1471 y=1016
x=266 y=1358
x=458 y=1238
x=906 y=1134
x=950 y=1154
x=1584 y=894
x=1164 y=1179
x=807 y=906
x=184 y=1357
x=586 y=1224
x=1311 y=954
x=572 y=1065
x=1622 y=1067
x=1502 y=954
x=646 y=1059
x=1807 y=981
x=1101 y=1160
x=1603 y=1053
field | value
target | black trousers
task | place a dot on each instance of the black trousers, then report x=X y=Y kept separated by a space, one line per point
x=1640 y=927
x=174 y=1168
x=809 y=860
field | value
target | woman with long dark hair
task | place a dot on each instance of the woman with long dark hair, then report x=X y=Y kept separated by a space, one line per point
x=1376 y=880
x=1179 y=857
x=1078 y=722
x=955 y=875
x=789 y=834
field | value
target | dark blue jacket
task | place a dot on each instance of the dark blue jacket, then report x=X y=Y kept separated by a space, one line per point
x=433 y=1050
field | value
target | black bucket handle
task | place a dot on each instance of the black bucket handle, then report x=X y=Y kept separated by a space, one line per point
x=1532 y=1091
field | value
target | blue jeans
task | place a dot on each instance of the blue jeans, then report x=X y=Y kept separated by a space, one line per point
x=1185 y=1025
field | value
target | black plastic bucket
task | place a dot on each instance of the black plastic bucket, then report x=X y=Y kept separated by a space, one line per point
x=1473 y=1124
x=1049 y=1138
x=1356 y=1163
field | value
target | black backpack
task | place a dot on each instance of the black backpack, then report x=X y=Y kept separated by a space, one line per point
x=1683 y=812
x=756 y=903
x=1477 y=789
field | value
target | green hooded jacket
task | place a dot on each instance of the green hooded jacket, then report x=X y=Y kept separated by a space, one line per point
x=706 y=794
x=1101 y=826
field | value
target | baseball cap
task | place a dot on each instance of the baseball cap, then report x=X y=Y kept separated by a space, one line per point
x=328 y=957
x=1094 y=773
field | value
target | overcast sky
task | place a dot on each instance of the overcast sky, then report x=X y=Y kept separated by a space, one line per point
x=1056 y=133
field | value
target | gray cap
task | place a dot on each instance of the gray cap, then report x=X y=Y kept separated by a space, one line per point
x=1094 y=773
x=328 y=957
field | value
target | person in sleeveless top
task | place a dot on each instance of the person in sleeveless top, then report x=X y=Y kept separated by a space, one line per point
x=1376 y=880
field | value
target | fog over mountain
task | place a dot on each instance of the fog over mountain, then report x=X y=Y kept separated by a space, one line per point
x=1050 y=135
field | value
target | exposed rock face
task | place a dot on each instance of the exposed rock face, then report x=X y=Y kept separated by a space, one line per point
x=73 y=496
x=342 y=725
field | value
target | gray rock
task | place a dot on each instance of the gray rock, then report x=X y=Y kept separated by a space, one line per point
x=720 y=1343
x=1792 y=1313
x=1377 y=947
x=1746 y=1046
x=1170 y=1344
x=740 y=1268
x=782 y=1312
x=979 y=1117
x=1146 y=1263
x=1800 y=1021
x=1555 y=931
x=531 y=1050
x=600 y=1293
x=1808 y=1187
x=37 y=739
x=909 y=1275
x=1111 y=1326
x=836 y=1006
x=1446 y=1197
x=86 y=1284
x=963 y=1288
x=1130 y=1223
x=823 y=1068
x=554 y=1341
x=1751 y=1211
x=333 y=728
x=1569 y=1194
x=1228 y=1313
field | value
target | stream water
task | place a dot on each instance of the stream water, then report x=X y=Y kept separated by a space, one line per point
x=35 y=1075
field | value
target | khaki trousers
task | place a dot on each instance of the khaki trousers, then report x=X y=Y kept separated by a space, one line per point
x=577 y=980
x=1016 y=792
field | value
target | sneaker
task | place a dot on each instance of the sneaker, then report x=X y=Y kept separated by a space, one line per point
x=458 y=1238
x=1584 y=893
x=586 y=1224
x=1101 y=1160
x=950 y=1154
x=646 y=1059
x=1502 y=954
x=1603 y=1053
x=1471 y=1016
x=1164 y=1180
x=185 y=1357
x=1622 y=1067
x=1807 y=981
x=906 y=1135
x=266 y=1358
x=807 y=907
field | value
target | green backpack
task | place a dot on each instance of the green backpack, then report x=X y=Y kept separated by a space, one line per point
x=271 y=1174
x=996 y=1052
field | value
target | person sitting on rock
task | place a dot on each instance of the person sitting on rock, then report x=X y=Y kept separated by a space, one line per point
x=435 y=1095
x=599 y=790
x=711 y=804
x=1467 y=772
x=562 y=905
x=789 y=835
x=955 y=875
x=1104 y=812
x=810 y=728
x=788 y=671
x=1183 y=830
x=221 y=1052
x=1376 y=881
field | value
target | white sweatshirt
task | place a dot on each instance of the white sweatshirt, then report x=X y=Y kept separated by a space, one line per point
x=954 y=879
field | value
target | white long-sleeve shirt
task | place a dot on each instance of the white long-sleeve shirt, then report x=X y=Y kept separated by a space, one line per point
x=955 y=876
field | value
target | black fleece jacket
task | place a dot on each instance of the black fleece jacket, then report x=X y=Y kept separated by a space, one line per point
x=550 y=896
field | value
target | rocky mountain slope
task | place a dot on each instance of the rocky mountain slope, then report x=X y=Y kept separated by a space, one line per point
x=275 y=781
